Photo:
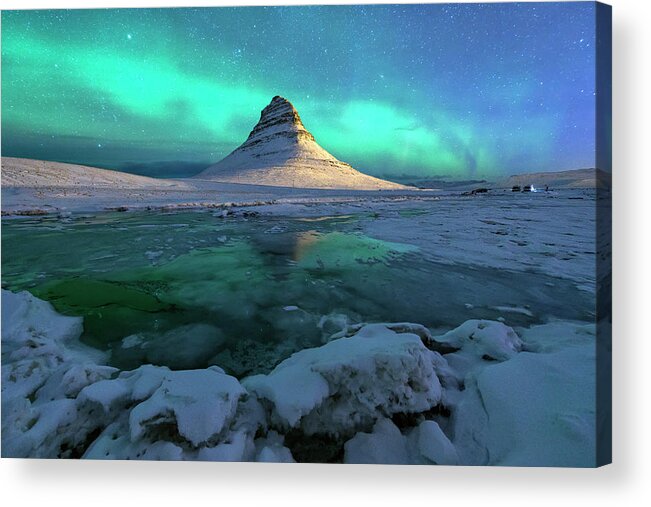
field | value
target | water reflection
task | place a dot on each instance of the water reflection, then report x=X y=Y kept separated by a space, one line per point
x=188 y=290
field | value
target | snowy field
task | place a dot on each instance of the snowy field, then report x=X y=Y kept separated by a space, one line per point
x=39 y=187
x=422 y=328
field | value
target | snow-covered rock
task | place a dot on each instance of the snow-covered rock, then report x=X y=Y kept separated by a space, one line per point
x=349 y=383
x=281 y=152
x=26 y=320
x=205 y=413
x=44 y=367
x=398 y=327
x=199 y=403
x=483 y=338
x=56 y=398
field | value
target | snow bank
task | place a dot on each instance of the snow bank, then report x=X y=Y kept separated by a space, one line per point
x=535 y=409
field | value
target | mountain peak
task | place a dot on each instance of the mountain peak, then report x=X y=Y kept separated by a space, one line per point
x=281 y=152
x=278 y=119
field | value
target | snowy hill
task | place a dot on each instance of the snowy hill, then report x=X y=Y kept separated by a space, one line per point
x=24 y=172
x=281 y=152
x=578 y=178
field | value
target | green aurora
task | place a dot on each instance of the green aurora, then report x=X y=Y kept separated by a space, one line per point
x=431 y=90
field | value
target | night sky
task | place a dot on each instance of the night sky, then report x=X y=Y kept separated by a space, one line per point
x=461 y=91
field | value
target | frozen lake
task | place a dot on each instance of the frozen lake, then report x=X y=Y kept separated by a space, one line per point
x=188 y=289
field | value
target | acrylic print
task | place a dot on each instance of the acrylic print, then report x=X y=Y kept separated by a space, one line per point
x=335 y=234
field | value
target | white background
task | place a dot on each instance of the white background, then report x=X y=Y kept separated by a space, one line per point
x=626 y=482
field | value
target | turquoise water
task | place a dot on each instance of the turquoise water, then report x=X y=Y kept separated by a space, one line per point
x=190 y=289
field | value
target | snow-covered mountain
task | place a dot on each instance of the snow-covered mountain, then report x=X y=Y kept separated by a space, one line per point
x=281 y=152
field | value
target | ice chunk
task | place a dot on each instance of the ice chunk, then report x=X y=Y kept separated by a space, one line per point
x=69 y=379
x=271 y=449
x=434 y=445
x=185 y=347
x=484 y=338
x=293 y=396
x=275 y=455
x=134 y=340
x=333 y=325
x=385 y=445
x=238 y=447
x=43 y=434
x=107 y=393
x=513 y=309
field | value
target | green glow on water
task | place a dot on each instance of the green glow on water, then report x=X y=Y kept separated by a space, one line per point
x=239 y=282
x=188 y=290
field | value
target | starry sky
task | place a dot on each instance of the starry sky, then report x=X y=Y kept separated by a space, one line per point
x=458 y=91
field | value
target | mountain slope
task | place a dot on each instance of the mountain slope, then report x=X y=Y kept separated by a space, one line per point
x=281 y=152
x=25 y=172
